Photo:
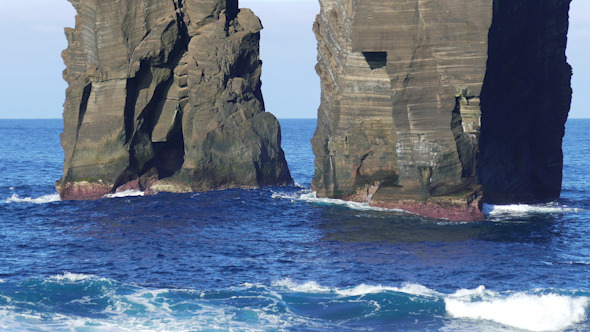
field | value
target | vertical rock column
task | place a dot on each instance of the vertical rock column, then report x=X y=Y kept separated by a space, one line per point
x=165 y=96
x=407 y=85
x=355 y=133
x=399 y=119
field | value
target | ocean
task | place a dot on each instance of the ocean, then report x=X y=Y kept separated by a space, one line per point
x=278 y=258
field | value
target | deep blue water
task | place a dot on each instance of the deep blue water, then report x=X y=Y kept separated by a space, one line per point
x=278 y=258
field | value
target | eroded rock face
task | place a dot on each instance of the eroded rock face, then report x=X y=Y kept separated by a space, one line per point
x=404 y=85
x=165 y=96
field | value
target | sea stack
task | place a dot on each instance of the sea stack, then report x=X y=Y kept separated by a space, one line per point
x=437 y=106
x=165 y=96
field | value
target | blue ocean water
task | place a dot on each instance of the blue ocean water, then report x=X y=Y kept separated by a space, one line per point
x=279 y=259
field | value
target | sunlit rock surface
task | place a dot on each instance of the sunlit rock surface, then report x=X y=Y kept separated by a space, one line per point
x=165 y=96
x=428 y=105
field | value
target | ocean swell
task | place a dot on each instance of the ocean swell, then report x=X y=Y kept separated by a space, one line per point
x=537 y=310
x=71 y=301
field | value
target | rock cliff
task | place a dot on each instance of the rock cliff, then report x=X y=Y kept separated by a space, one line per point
x=428 y=105
x=165 y=96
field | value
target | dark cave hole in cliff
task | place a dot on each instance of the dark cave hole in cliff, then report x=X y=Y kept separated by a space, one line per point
x=376 y=60
x=169 y=156
x=84 y=105
x=168 y=153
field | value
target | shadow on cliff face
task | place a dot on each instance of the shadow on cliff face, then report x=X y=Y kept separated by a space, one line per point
x=525 y=101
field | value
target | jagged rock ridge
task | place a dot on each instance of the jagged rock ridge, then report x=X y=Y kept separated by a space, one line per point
x=165 y=96
x=427 y=105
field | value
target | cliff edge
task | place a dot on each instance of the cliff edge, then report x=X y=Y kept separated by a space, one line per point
x=165 y=96
x=437 y=106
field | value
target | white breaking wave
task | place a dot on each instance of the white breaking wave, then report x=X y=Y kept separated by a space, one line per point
x=308 y=287
x=407 y=288
x=546 y=312
x=126 y=193
x=533 y=312
x=480 y=291
x=40 y=200
x=526 y=209
x=360 y=290
x=311 y=197
x=73 y=277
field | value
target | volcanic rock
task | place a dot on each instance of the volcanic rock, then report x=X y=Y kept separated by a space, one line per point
x=165 y=96
x=428 y=105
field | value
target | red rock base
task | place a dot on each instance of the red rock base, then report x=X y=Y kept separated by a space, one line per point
x=82 y=190
x=437 y=210
x=77 y=191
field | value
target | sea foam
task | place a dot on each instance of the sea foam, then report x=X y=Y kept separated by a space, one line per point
x=533 y=312
x=39 y=200
x=406 y=288
x=308 y=287
x=132 y=307
x=71 y=277
x=529 y=311
x=526 y=209
x=126 y=193
x=360 y=290
x=311 y=197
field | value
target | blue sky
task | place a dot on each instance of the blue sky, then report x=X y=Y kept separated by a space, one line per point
x=31 y=39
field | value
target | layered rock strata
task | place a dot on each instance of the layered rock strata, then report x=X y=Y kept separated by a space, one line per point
x=165 y=96
x=428 y=105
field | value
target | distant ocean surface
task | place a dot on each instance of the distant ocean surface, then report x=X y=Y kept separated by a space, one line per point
x=279 y=259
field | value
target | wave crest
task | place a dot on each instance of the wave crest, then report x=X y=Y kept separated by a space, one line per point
x=39 y=200
x=72 y=277
x=545 y=312
x=526 y=209
x=533 y=311
x=360 y=290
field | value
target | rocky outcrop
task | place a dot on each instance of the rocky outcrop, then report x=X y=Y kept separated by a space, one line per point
x=165 y=96
x=428 y=105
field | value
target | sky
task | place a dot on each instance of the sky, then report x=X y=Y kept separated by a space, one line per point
x=32 y=38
